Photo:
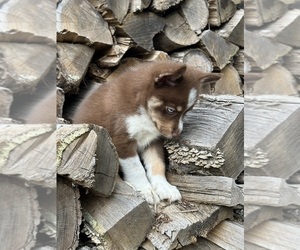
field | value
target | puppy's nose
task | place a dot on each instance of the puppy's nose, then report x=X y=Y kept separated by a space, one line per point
x=176 y=133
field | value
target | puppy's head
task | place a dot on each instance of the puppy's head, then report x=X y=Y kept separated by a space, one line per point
x=174 y=91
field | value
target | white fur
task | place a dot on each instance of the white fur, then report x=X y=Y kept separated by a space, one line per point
x=193 y=96
x=135 y=174
x=141 y=127
x=180 y=125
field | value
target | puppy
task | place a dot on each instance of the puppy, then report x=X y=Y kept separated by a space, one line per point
x=143 y=104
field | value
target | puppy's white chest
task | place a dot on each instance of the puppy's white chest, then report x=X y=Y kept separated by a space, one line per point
x=141 y=128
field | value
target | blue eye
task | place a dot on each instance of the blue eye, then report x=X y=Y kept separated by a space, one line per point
x=170 y=110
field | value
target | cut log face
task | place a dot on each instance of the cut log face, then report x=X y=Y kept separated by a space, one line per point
x=23 y=72
x=142 y=28
x=220 y=11
x=207 y=145
x=71 y=28
x=39 y=26
x=73 y=62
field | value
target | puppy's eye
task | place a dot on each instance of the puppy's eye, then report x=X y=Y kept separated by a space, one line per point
x=171 y=111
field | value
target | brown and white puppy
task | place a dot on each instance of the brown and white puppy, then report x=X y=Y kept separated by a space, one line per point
x=141 y=105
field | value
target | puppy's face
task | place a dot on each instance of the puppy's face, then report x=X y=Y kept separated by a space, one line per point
x=175 y=92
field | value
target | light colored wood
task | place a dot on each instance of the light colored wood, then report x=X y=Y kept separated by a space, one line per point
x=233 y=30
x=86 y=155
x=73 y=62
x=269 y=191
x=262 y=51
x=217 y=47
x=274 y=235
x=194 y=57
x=28 y=22
x=207 y=145
x=228 y=235
x=283 y=29
x=276 y=80
x=177 y=34
x=196 y=14
x=220 y=11
x=141 y=28
x=202 y=244
x=60 y=99
x=229 y=83
x=68 y=215
x=255 y=215
x=270 y=138
x=20 y=214
x=139 y=5
x=162 y=5
x=79 y=22
x=28 y=151
x=179 y=224
x=23 y=72
x=118 y=222
x=216 y=190
x=6 y=99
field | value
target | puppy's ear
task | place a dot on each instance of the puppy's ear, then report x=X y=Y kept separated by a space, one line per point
x=170 y=76
x=208 y=82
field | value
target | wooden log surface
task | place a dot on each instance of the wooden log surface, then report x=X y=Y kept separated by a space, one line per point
x=160 y=6
x=201 y=244
x=20 y=214
x=86 y=155
x=72 y=62
x=74 y=20
x=220 y=11
x=179 y=224
x=28 y=151
x=270 y=138
x=206 y=145
x=6 y=99
x=216 y=190
x=68 y=214
x=23 y=72
x=120 y=221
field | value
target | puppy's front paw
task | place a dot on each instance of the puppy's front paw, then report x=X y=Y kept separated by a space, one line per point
x=150 y=196
x=164 y=189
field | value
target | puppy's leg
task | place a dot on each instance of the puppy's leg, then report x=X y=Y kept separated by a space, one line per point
x=135 y=174
x=153 y=157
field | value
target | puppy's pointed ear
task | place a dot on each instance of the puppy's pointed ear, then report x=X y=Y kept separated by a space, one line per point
x=170 y=76
x=208 y=82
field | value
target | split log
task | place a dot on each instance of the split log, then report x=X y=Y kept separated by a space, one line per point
x=23 y=72
x=20 y=214
x=86 y=155
x=139 y=5
x=229 y=83
x=9 y=121
x=194 y=57
x=216 y=190
x=201 y=244
x=177 y=34
x=220 y=11
x=179 y=224
x=283 y=29
x=164 y=5
x=207 y=145
x=239 y=62
x=292 y=62
x=259 y=13
x=114 y=55
x=73 y=61
x=141 y=28
x=155 y=55
x=255 y=215
x=74 y=19
x=60 y=99
x=118 y=222
x=28 y=22
x=270 y=136
x=113 y=11
x=233 y=30
x=217 y=47
x=276 y=80
x=28 y=151
x=68 y=215
x=228 y=235
x=98 y=74
x=196 y=14
x=6 y=99
x=269 y=191
x=274 y=235
x=263 y=51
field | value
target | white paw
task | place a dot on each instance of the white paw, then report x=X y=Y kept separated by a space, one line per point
x=164 y=189
x=150 y=196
